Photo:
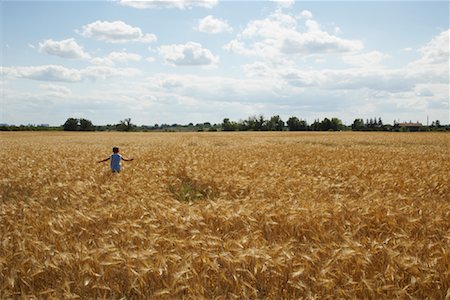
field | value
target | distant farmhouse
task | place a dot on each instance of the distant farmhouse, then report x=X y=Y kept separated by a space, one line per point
x=410 y=126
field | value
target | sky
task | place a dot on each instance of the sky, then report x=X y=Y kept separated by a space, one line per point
x=182 y=61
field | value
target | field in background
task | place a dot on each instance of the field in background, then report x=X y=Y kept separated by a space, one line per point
x=225 y=215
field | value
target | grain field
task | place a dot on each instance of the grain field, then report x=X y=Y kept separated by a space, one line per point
x=225 y=216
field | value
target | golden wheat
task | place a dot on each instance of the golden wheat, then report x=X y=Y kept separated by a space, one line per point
x=225 y=216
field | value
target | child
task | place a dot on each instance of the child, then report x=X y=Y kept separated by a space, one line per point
x=115 y=160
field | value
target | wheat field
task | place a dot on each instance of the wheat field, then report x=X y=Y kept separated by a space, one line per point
x=225 y=216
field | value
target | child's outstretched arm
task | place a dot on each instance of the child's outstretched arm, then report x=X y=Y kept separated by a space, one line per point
x=130 y=159
x=106 y=159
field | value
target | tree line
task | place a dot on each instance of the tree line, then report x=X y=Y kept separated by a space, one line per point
x=253 y=123
x=275 y=123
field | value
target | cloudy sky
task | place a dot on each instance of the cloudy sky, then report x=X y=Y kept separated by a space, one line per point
x=181 y=61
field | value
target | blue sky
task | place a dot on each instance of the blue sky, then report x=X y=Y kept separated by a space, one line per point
x=196 y=61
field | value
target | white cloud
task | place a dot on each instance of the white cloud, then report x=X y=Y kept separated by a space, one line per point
x=180 y=4
x=99 y=72
x=116 y=57
x=188 y=54
x=433 y=66
x=225 y=89
x=238 y=47
x=150 y=59
x=59 y=73
x=209 y=24
x=337 y=30
x=306 y=14
x=281 y=34
x=424 y=92
x=258 y=69
x=284 y=3
x=56 y=89
x=115 y=32
x=44 y=73
x=436 y=51
x=365 y=59
x=124 y=57
x=66 y=48
x=317 y=42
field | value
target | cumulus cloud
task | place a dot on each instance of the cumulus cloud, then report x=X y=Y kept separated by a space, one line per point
x=284 y=3
x=115 y=32
x=180 y=4
x=99 y=72
x=282 y=34
x=365 y=59
x=56 y=89
x=306 y=14
x=317 y=42
x=59 y=73
x=188 y=54
x=436 y=51
x=209 y=24
x=225 y=88
x=116 y=57
x=433 y=66
x=392 y=81
x=44 y=73
x=66 y=48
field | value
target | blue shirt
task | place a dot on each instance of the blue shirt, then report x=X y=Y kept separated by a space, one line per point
x=115 y=161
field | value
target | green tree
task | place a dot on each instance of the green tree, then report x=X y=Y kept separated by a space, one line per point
x=358 y=124
x=125 y=125
x=86 y=125
x=294 y=124
x=261 y=123
x=315 y=126
x=275 y=124
x=336 y=124
x=436 y=124
x=325 y=125
x=71 y=124
x=227 y=125
x=380 y=122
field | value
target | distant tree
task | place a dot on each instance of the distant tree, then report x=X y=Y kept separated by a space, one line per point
x=275 y=124
x=380 y=122
x=325 y=125
x=293 y=124
x=336 y=124
x=358 y=124
x=86 y=125
x=249 y=124
x=315 y=126
x=436 y=124
x=125 y=125
x=227 y=125
x=261 y=123
x=71 y=124
x=254 y=123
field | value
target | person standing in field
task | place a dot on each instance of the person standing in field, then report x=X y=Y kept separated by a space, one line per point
x=115 y=160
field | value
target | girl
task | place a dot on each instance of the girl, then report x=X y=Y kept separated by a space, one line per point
x=115 y=160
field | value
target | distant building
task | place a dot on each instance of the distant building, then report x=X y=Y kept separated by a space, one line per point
x=411 y=126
